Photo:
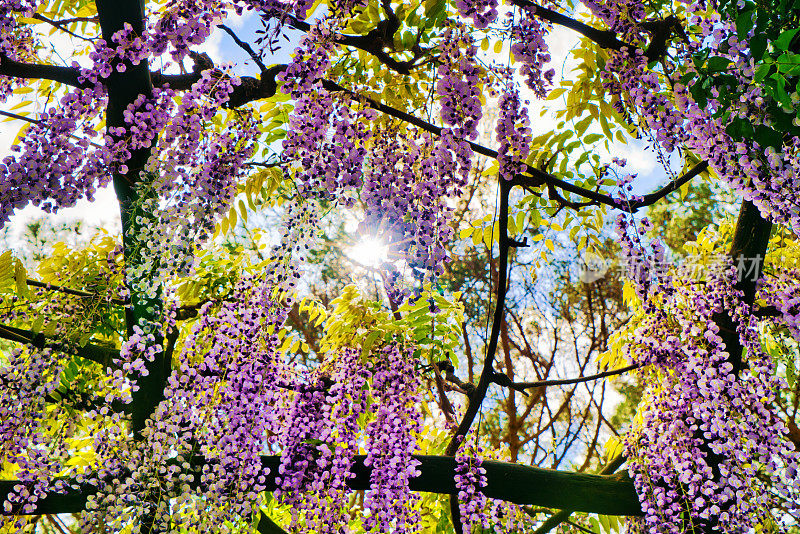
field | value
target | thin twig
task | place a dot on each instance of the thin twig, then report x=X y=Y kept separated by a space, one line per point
x=244 y=46
x=503 y=380
x=36 y=121
x=59 y=24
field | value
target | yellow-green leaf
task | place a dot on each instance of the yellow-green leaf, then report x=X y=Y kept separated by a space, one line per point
x=20 y=277
x=555 y=93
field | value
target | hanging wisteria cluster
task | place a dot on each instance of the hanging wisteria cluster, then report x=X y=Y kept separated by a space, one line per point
x=470 y=480
x=708 y=438
x=513 y=133
x=532 y=51
x=763 y=173
x=782 y=290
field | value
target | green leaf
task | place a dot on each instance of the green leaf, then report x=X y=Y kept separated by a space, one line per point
x=369 y=341
x=700 y=92
x=780 y=93
x=243 y=211
x=555 y=93
x=762 y=70
x=20 y=277
x=37 y=325
x=487 y=236
x=686 y=78
x=718 y=64
x=788 y=63
x=592 y=138
x=603 y=519
x=758 y=45
x=766 y=136
x=70 y=371
x=739 y=129
x=536 y=218
x=700 y=58
x=512 y=226
x=477 y=235
x=744 y=23
x=785 y=39
x=606 y=129
x=580 y=127
x=433 y=8
x=84 y=339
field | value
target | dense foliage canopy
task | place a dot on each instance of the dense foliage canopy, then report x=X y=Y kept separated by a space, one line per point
x=339 y=300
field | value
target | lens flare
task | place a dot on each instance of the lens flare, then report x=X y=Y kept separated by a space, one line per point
x=370 y=252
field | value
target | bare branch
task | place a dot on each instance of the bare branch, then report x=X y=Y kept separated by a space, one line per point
x=61 y=24
x=244 y=46
x=503 y=380
x=102 y=355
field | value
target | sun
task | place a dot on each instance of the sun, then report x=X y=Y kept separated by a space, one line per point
x=369 y=251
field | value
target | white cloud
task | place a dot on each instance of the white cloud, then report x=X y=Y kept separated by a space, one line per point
x=102 y=212
x=640 y=160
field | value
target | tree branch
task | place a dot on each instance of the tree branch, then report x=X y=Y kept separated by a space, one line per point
x=60 y=24
x=485 y=379
x=503 y=380
x=604 y=38
x=520 y=484
x=375 y=41
x=767 y=311
x=75 y=292
x=476 y=398
x=267 y=526
x=244 y=46
x=651 y=198
x=123 y=89
x=562 y=515
x=17 y=69
x=444 y=366
x=95 y=353
x=660 y=30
